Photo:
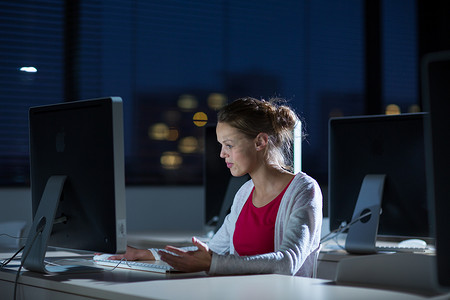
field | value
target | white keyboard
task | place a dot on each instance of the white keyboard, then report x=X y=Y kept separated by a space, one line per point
x=149 y=266
x=401 y=249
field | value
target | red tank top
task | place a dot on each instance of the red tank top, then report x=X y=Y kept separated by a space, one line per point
x=255 y=227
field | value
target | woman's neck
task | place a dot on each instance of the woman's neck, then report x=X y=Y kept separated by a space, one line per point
x=269 y=183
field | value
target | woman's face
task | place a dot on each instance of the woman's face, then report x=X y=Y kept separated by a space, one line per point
x=238 y=150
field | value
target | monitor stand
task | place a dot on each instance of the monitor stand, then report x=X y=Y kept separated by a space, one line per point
x=362 y=233
x=37 y=241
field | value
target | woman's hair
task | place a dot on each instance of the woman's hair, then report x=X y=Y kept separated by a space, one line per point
x=252 y=116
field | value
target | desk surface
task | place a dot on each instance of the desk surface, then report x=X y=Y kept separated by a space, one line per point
x=132 y=286
x=126 y=284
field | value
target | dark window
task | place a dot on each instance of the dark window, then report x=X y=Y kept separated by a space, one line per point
x=171 y=59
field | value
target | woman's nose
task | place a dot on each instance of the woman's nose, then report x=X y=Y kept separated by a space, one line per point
x=222 y=153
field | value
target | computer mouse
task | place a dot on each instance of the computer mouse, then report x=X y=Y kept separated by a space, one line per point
x=413 y=243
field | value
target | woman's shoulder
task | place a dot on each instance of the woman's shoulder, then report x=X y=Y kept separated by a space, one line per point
x=305 y=185
x=302 y=178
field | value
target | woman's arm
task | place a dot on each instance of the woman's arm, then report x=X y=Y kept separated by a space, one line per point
x=188 y=261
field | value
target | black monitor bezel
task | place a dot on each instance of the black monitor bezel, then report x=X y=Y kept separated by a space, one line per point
x=96 y=201
x=435 y=94
x=336 y=197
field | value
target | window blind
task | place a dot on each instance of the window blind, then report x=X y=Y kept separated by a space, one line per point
x=31 y=35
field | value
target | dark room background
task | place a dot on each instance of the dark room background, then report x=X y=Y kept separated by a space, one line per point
x=174 y=62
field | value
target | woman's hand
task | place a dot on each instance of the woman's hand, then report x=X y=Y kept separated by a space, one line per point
x=134 y=254
x=188 y=261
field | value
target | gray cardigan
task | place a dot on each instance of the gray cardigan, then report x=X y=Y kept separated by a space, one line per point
x=297 y=234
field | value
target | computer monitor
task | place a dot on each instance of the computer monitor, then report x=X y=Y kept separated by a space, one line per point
x=390 y=145
x=436 y=100
x=77 y=180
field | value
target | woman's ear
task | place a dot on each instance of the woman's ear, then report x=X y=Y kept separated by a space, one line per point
x=261 y=141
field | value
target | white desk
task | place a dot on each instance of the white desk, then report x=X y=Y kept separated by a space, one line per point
x=125 y=284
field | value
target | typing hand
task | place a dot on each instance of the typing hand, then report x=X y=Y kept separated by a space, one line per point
x=134 y=254
x=188 y=261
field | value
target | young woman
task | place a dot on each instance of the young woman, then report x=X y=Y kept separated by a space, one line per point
x=275 y=221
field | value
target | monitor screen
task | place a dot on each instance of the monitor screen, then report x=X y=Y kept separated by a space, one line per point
x=77 y=176
x=391 y=145
x=436 y=99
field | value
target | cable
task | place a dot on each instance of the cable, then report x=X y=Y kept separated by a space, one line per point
x=39 y=228
x=13 y=237
x=341 y=228
x=4 y=263
x=118 y=263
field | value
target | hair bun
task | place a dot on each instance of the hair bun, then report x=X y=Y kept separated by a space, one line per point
x=282 y=116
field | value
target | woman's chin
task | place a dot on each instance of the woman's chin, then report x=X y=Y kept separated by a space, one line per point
x=237 y=174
